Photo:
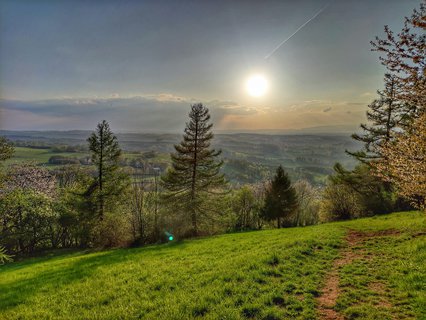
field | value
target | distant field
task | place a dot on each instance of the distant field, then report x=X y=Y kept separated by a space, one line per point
x=378 y=264
x=40 y=156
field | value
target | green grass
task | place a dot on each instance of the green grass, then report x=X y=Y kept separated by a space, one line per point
x=391 y=282
x=40 y=156
x=272 y=274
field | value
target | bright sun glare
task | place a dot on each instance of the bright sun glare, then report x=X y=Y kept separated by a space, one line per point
x=256 y=85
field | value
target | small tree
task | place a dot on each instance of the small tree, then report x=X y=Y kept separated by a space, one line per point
x=6 y=149
x=142 y=205
x=195 y=173
x=245 y=207
x=26 y=217
x=6 y=152
x=339 y=202
x=308 y=203
x=281 y=199
x=109 y=182
x=26 y=214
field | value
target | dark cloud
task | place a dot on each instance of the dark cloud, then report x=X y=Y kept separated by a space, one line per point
x=162 y=112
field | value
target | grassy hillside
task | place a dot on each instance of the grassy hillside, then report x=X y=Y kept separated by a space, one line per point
x=272 y=274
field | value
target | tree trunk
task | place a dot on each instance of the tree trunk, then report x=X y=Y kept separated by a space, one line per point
x=194 y=176
x=101 y=160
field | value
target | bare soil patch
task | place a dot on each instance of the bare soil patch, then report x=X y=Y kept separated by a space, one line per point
x=353 y=250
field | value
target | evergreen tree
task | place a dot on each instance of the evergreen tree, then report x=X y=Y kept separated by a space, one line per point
x=195 y=172
x=281 y=199
x=109 y=181
x=404 y=56
x=386 y=116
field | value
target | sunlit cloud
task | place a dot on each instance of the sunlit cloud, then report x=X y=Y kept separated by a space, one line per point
x=168 y=112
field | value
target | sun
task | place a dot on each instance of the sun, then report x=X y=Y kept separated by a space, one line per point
x=256 y=85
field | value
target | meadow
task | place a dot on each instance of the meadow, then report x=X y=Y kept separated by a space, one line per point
x=39 y=156
x=269 y=274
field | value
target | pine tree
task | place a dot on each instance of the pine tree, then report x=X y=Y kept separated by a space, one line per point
x=106 y=152
x=195 y=172
x=404 y=55
x=281 y=199
x=386 y=116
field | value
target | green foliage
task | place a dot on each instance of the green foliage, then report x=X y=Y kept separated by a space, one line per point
x=280 y=199
x=6 y=149
x=75 y=212
x=339 y=202
x=26 y=217
x=113 y=231
x=245 y=206
x=374 y=195
x=4 y=257
x=62 y=160
x=6 y=152
x=243 y=171
x=195 y=173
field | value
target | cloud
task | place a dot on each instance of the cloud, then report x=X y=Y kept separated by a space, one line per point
x=155 y=112
x=166 y=112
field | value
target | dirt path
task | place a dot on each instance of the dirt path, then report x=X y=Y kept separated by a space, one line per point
x=353 y=250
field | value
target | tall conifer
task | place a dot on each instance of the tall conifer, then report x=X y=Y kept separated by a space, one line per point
x=106 y=152
x=195 y=172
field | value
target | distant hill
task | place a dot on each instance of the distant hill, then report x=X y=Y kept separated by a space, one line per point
x=306 y=156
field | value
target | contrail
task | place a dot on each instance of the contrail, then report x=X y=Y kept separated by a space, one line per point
x=298 y=29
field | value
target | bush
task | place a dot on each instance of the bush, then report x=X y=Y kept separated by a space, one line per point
x=339 y=202
x=61 y=160
x=113 y=231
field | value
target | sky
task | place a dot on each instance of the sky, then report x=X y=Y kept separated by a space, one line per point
x=68 y=65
